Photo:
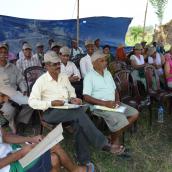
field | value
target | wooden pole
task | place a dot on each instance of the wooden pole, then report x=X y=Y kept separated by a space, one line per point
x=144 y=24
x=77 y=23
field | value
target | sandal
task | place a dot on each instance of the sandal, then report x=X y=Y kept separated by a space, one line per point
x=117 y=149
x=89 y=166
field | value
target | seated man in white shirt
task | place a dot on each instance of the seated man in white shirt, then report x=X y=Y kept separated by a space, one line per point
x=70 y=69
x=85 y=62
x=29 y=60
x=100 y=89
x=50 y=92
x=52 y=160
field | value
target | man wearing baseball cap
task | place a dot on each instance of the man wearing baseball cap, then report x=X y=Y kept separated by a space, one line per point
x=50 y=93
x=85 y=62
x=28 y=60
x=9 y=93
x=69 y=68
x=16 y=80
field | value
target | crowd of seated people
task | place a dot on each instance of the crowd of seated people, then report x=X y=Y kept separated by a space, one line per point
x=65 y=82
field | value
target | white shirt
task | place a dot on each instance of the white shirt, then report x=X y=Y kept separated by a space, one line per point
x=46 y=89
x=4 y=150
x=139 y=61
x=70 y=69
x=156 y=61
x=85 y=65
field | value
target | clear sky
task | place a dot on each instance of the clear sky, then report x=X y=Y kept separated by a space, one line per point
x=66 y=9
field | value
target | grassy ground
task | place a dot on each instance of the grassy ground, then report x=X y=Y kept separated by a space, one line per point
x=150 y=148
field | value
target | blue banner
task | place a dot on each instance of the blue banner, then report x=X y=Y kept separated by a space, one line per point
x=109 y=30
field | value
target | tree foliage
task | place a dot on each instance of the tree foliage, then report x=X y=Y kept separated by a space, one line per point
x=135 y=32
x=159 y=6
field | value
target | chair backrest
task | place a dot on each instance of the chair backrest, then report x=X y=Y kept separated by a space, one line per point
x=31 y=74
x=152 y=78
x=116 y=66
x=123 y=82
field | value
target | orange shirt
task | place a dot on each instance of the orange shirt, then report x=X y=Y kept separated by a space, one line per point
x=120 y=54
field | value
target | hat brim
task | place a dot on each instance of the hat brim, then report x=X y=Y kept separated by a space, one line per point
x=52 y=61
x=4 y=46
x=8 y=91
x=14 y=95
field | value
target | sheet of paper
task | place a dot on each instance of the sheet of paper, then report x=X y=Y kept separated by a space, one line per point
x=54 y=137
x=120 y=109
x=67 y=106
x=19 y=98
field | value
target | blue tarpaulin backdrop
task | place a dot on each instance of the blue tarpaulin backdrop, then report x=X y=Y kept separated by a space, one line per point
x=110 y=30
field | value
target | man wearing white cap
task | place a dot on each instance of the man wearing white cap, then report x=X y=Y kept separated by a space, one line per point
x=28 y=60
x=6 y=93
x=70 y=69
x=100 y=89
x=16 y=80
x=55 y=46
x=50 y=92
x=85 y=62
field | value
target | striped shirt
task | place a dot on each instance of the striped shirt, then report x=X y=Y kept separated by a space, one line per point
x=24 y=63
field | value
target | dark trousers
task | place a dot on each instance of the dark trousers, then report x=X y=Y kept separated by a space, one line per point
x=85 y=130
x=43 y=164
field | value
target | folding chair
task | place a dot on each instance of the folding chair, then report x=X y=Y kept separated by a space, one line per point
x=31 y=74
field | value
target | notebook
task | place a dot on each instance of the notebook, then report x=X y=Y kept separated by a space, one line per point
x=67 y=106
x=54 y=137
x=120 y=109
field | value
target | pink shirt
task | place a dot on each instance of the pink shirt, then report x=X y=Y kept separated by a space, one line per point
x=170 y=63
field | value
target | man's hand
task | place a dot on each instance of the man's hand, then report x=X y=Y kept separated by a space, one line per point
x=57 y=103
x=76 y=101
x=35 y=139
x=73 y=78
x=25 y=93
x=27 y=149
x=3 y=98
x=112 y=104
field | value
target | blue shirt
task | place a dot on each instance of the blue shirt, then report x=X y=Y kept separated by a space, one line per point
x=98 y=86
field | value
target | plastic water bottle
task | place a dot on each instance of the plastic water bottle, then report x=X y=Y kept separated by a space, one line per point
x=160 y=115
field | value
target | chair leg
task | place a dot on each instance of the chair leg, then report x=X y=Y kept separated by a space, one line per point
x=150 y=116
x=41 y=130
x=135 y=127
x=123 y=138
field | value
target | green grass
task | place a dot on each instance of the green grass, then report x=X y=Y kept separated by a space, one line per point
x=150 y=148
